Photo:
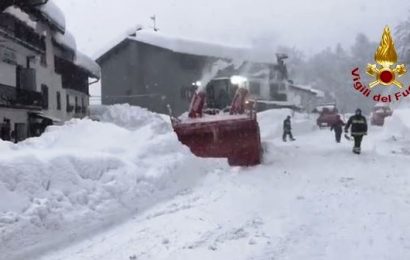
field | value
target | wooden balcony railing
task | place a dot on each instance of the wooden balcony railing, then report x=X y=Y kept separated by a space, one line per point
x=20 y=98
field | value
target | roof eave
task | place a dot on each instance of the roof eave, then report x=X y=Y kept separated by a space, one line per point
x=102 y=57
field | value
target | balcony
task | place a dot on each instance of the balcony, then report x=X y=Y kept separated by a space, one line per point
x=72 y=77
x=16 y=30
x=20 y=98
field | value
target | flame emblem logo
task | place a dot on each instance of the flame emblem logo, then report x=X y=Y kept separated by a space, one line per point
x=386 y=56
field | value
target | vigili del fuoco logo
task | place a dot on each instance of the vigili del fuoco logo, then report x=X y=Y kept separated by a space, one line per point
x=386 y=72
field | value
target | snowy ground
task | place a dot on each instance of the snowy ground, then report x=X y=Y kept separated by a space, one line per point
x=310 y=199
x=80 y=178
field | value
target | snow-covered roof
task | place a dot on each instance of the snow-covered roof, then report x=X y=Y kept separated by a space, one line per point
x=380 y=104
x=320 y=108
x=188 y=46
x=81 y=60
x=53 y=14
x=309 y=89
x=302 y=87
x=21 y=15
x=260 y=74
x=66 y=40
x=88 y=64
x=277 y=103
x=49 y=11
x=319 y=93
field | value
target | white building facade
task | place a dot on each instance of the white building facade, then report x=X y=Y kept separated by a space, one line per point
x=43 y=78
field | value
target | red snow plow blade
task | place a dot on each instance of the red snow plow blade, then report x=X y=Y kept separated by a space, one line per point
x=233 y=135
x=236 y=138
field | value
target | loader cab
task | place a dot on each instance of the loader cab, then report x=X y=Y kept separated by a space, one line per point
x=220 y=91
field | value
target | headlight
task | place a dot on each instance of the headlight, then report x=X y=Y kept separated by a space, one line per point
x=197 y=83
x=238 y=80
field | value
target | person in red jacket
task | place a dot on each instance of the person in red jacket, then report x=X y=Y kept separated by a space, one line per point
x=337 y=126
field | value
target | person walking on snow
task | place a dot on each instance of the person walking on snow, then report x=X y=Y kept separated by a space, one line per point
x=337 y=126
x=359 y=129
x=287 y=129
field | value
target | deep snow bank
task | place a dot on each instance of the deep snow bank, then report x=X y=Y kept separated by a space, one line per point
x=87 y=174
x=134 y=118
x=398 y=124
x=271 y=123
x=393 y=137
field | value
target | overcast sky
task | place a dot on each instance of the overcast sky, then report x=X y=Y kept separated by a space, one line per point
x=306 y=25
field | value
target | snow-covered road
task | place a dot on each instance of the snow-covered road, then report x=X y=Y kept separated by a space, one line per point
x=311 y=199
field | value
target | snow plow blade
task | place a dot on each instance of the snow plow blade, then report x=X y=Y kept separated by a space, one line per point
x=235 y=137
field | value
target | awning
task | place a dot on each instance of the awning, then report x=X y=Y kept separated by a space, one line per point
x=42 y=115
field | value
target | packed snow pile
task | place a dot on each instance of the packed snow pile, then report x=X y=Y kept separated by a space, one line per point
x=398 y=124
x=86 y=174
x=271 y=123
x=134 y=118
x=394 y=136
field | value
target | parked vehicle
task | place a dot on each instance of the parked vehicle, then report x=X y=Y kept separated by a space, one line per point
x=327 y=115
x=379 y=113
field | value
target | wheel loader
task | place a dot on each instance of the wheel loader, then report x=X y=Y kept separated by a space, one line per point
x=222 y=123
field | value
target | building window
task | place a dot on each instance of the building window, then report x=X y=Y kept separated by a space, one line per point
x=8 y=55
x=18 y=76
x=278 y=92
x=58 y=100
x=255 y=88
x=69 y=107
x=7 y=22
x=43 y=60
x=77 y=107
x=83 y=107
x=44 y=92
